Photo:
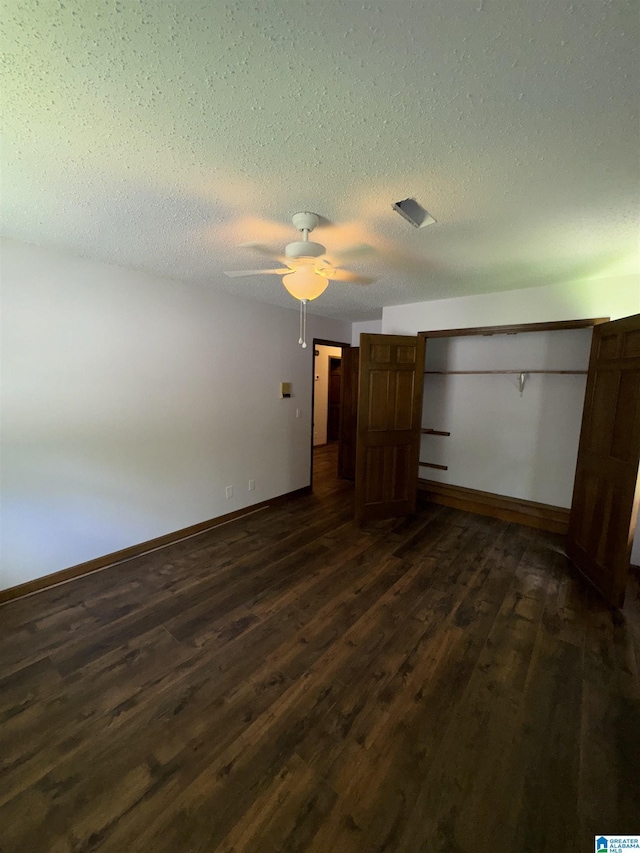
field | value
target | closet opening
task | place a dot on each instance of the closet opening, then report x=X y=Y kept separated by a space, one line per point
x=540 y=424
x=536 y=423
x=502 y=412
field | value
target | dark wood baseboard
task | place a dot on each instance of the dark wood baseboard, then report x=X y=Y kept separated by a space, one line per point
x=125 y=554
x=541 y=516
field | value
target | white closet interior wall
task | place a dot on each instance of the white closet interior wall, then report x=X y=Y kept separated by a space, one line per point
x=522 y=446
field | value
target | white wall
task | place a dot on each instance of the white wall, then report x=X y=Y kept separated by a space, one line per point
x=501 y=451
x=321 y=396
x=613 y=298
x=131 y=401
x=373 y=327
x=522 y=446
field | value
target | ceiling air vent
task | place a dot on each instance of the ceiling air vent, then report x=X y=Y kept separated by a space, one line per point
x=414 y=213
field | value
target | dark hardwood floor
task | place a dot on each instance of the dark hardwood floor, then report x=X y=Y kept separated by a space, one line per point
x=291 y=682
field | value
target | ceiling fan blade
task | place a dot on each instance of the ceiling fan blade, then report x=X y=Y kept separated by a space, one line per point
x=241 y=273
x=335 y=274
x=351 y=253
x=261 y=248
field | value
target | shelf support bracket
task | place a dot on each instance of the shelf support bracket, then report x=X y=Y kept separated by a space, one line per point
x=522 y=378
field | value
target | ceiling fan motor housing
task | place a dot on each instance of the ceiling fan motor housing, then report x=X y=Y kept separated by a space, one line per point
x=305 y=221
x=304 y=249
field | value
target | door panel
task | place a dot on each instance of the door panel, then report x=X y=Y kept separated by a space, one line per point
x=406 y=355
x=403 y=404
x=377 y=410
x=348 y=413
x=389 y=418
x=605 y=496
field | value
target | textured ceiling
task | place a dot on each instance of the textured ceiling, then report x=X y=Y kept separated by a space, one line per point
x=160 y=135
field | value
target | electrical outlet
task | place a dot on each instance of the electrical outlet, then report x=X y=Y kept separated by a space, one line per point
x=252 y=485
x=229 y=491
x=298 y=413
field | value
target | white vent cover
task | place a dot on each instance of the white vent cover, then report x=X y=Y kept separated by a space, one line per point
x=414 y=213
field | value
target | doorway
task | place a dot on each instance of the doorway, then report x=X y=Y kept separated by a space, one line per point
x=333 y=398
x=327 y=393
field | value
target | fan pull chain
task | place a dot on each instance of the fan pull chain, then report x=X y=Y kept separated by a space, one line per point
x=303 y=310
x=300 y=339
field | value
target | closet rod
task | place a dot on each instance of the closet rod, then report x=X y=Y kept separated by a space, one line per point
x=434 y=432
x=433 y=465
x=469 y=372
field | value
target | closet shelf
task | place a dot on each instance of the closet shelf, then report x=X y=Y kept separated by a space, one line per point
x=434 y=432
x=433 y=465
x=469 y=372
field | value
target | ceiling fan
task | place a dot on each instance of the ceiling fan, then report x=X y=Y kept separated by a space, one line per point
x=308 y=268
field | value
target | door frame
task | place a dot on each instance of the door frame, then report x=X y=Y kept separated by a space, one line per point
x=333 y=358
x=514 y=329
x=324 y=343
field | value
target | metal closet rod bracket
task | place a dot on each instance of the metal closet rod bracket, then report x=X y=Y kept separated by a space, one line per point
x=522 y=378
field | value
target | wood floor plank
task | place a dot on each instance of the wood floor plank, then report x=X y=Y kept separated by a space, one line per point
x=61 y=726
x=550 y=749
x=292 y=681
x=609 y=793
x=407 y=739
x=286 y=816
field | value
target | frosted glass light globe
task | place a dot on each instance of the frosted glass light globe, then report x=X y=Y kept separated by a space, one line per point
x=305 y=283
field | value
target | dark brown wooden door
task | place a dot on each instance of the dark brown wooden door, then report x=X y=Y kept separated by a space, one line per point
x=605 y=494
x=389 y=418
x=348 y=413
x=333 y=403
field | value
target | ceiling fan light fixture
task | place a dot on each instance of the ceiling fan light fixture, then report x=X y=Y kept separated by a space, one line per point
x=305 y=283
x=308 y=270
